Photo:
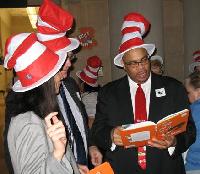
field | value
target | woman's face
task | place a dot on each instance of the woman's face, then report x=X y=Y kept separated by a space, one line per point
x=61 y=75
x=193 y=94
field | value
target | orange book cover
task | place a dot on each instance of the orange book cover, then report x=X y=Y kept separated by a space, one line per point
x=138 y=134
x=173 y=124
x=104 y=168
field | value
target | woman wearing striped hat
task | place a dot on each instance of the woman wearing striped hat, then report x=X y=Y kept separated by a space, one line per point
x=37 y=139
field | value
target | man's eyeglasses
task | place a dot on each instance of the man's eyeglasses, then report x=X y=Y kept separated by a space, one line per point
x=135 y=64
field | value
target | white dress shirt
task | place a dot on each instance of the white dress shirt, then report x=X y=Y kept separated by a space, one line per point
x=146 y=87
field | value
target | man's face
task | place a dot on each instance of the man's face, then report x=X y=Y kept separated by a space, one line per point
x=136 y=64
x=156 y=67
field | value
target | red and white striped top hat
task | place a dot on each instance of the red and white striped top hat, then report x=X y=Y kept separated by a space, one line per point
x=52 y=25
x=30 y=58
x=134 y=27
x=196 y=61
x=90 y=73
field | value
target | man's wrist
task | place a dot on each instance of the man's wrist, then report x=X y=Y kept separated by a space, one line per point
x=174 y=143
x=111 y=135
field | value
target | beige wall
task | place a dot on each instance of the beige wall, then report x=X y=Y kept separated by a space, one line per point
x=173 y=38
x=93 y=13
x=191 y=26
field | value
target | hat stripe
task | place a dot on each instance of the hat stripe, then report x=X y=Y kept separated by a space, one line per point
x=21 y=49
x=130 y=43
x=92 y=70
x=44 y=27
x=87 y=78
x=38 y=69
x=196 y=55
x=131 y=30
x=46 y=37
x=137 y=18
x=55 y=16
x=57 y=44
x=129 y=36
x=196 y=52
x=27 y=58
x=197 y=59
x=130 y=24
x=17 y=40
x=88 y=73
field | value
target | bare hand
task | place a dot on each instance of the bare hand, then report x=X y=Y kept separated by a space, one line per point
x=96 y=156
x=168 y=141
x=56 y=132
x=83 y=169
x=116 y=137
x=57 y=81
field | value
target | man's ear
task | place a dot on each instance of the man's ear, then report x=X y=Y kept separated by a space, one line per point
x=122 y=62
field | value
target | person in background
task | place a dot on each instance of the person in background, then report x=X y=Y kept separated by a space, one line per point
x=157 y=64
x=89 y=86
x=52 y=28
x=192 y=84
x=36 y=137
x=195 y=65
x=137 y=97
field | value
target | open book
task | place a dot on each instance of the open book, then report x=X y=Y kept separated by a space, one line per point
x=104 y=168
x=139 y=133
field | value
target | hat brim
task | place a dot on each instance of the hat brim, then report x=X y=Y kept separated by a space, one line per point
x=149 y=47
x=192 y=66
x=90 y=84
x=72 y=46
x=159 y=58
x=17 y=87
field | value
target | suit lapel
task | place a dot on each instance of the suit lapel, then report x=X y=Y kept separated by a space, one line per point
x=157 y=100
x=125 y=101
x=72 y=90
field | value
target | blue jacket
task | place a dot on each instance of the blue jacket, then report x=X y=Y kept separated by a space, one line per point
x=193 y=155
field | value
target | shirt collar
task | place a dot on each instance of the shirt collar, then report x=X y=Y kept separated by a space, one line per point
x=143 y=85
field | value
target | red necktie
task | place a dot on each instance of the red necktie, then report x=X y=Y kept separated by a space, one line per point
x=140 y=116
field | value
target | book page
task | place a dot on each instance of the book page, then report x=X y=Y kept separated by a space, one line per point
x=172 y=124
x=139 y=136
x=137 y=125
x=183 y=113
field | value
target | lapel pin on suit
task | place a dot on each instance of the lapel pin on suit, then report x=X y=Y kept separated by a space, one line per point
x=160 y=92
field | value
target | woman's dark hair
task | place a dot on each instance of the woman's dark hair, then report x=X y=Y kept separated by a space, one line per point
x=194 y=79
x=41 y=100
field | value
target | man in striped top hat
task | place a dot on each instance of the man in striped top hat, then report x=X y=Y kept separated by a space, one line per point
x=139 y=96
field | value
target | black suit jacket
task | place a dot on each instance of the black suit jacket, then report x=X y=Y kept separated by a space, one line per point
x=73 y=89
x=114 y=108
